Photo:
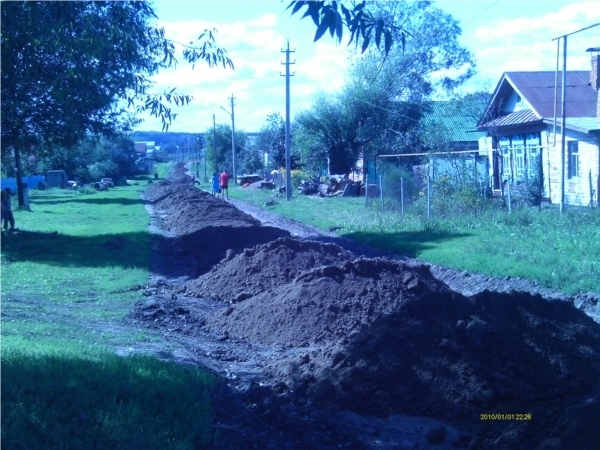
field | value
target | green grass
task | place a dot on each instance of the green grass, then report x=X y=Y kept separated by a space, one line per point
x=68 y=280
x=560 y=252
x=101 y=401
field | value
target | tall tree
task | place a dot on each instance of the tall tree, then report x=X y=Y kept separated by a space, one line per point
x=382 y=102
x=70 y=69
x=219 y=152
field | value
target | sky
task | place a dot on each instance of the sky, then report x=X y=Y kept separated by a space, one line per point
x=503 y=35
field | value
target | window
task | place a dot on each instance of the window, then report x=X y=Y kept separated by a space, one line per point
x=506 y=172
x=573 y=159
x=519 y=162
x=533 y=155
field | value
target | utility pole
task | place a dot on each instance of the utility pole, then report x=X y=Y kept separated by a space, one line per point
x=214 y=146
x=232 y=137
x=288 y=160
x=197 y=148
x=562 y=128
x=564 y=113
x=233 y=142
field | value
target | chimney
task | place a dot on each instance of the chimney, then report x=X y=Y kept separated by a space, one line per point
x=594 y=78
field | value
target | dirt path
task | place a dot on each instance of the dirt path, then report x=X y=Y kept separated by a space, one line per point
x=321 y=348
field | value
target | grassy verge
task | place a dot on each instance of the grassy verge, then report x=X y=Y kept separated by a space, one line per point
x=560 y=252
x=66 y=286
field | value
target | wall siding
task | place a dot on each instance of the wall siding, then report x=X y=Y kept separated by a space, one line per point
x=577 y=189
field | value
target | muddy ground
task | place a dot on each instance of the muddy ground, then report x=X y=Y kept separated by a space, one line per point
x=322 y=343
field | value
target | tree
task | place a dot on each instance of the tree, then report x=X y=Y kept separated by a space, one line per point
x=311 y=150
x=379 y=108
x=331 y=122
x=358 y=19
x=219 y=152
x=71 y=69
x=90 y=159
x=250 y=159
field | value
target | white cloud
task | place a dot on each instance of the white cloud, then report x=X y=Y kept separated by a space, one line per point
x=525 y=43
x=264 y=21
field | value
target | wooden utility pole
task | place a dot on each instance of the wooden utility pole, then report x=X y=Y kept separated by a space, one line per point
x=214 y=145
x=563 y=127
x=233 y=142
x=288 y=159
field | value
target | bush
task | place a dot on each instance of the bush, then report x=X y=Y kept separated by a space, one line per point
x=104 y=169
x=396 y=179
x=297 y=177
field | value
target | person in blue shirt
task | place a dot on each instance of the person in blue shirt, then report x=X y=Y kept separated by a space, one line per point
x=216 y=189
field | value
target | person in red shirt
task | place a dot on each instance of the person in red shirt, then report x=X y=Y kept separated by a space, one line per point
x=224 y=183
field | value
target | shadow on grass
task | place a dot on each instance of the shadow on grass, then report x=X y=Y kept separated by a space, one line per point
x=188 y=255
x=410 y=243
x=127 y=250
x=89 y=200
x=57 y=402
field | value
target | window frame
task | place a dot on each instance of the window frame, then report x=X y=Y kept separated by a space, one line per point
x=572 y=159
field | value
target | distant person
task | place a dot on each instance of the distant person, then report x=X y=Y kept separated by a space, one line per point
x=7 y=214
x=224 y=183
x=215 y=189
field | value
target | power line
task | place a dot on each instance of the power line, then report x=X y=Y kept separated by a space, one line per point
x=384 y=109
x=477 y=16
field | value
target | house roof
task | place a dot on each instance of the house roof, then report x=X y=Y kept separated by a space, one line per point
x=515 y=118
x=582 y=124
x=537 y=89
x=457 y=127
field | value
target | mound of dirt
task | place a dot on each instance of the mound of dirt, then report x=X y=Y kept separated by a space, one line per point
x=179 y=174
x=205 y=227
x=264 y=267
x=375 y=336
x=381 y=338
x=323 y=304
x=187 y=209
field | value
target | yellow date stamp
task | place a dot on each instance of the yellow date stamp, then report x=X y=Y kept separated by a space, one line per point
x=503 y=416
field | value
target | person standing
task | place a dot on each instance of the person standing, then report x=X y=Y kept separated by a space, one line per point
x=7 y=214
x=224 y=183
x=215 y=184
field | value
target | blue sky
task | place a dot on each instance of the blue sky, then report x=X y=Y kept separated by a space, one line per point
x=504 y=35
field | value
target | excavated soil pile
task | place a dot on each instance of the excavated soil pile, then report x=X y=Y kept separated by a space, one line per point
x=204 y=227
x=380 y=337
x=383 y=338
x=253 y=271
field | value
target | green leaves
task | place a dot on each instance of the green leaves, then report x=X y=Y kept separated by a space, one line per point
x=207 y=50
x=71 y=69
x=334 y=16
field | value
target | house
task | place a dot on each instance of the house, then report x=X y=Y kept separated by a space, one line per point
x=457 y=141
x=143 y=149
x=523 y=125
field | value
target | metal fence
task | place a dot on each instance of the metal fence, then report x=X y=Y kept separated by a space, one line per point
x=456 y=184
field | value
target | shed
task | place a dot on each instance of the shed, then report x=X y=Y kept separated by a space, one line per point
x=57 y=179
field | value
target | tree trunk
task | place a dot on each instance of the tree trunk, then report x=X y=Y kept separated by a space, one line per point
x=19 y=177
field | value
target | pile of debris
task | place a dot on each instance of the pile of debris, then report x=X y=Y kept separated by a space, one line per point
x=339 y=185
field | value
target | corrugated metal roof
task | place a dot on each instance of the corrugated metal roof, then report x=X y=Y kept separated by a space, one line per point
x=515 y=118
x=457 y=127
x=583 y=124
x=537 y=88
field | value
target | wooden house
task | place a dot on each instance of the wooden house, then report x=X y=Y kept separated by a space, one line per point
x=523 y=125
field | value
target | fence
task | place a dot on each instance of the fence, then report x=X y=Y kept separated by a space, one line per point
x=447 y=185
